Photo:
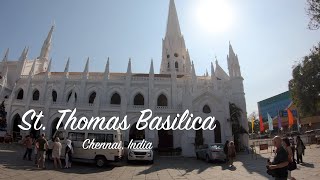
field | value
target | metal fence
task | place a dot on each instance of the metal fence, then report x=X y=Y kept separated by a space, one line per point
x=261 y=146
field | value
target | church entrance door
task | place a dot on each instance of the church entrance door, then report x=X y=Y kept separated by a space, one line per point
x=136 y=134
x=165 y=138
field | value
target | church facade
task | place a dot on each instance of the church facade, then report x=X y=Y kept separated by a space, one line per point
x=29 y=84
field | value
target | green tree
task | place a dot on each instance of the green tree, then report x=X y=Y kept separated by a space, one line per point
x=313 y=12
x=237 y=129
x=305 y=84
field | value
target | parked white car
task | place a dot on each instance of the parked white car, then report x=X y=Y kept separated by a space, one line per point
x=140 y=154
x=211 y=152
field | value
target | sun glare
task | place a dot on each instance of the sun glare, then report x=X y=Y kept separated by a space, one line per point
x=214 y=15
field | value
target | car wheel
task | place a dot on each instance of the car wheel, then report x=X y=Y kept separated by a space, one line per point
x=207 y=159
x=101 y=161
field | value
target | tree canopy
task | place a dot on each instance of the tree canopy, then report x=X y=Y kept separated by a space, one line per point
x=305 y=85
x=313 y=12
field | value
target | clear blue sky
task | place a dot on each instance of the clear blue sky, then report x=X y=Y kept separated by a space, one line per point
x=268 y=36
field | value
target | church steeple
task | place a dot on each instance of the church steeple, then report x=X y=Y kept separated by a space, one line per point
x=173 y=27
x=46 y=45
x=175 y=56
x=233 y=63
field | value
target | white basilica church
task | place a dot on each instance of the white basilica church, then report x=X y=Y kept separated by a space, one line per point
x=29 y=84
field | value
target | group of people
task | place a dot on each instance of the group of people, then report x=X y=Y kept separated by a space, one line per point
x=41 y=146
x=230 y=151
x=284 y=162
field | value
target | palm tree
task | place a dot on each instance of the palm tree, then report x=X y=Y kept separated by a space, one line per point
x=237 y=129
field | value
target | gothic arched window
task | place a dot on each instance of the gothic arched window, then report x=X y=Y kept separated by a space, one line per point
x=162 y=100
x=54 y=96
x=92 y=97
x=35 y=95
x=115 y=99
x=20 y=94
x=206 y=109
x=138 y=99
x=75 y=96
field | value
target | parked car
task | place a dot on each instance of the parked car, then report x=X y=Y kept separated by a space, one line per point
x=140 y=154
x=211 y=152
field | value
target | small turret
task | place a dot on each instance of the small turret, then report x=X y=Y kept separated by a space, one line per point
x=151 y=71
x=129 y=67
x=24 y=54
x=5 y=58
x=106 y=70
x=85 y=74
x=45 y=50
x=66 y=69
x=212 y=70
x=4 y=61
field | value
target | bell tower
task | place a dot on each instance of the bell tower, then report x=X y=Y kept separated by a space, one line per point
x=175 y=56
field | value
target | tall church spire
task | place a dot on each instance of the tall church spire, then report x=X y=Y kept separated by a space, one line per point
x=233 y=63
x=175 y=56
x=47 y=45
x=173 y=27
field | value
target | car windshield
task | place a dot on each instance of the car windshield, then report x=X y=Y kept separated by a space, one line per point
x=217 y=146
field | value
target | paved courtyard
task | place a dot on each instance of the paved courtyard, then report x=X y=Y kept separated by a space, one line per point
x=246 y=167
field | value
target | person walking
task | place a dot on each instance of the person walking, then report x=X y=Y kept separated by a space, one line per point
x=68 y=153
x=56 y=152
x=278 y=167
x=42 y=146
x=291 y=139
x=300 y=150
x=28 y=143
x=35 y=149
x=225 y=149
x=231 y=153
x=288 y=148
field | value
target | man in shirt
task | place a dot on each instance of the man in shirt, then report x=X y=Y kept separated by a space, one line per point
x=42 y=146
x=28 y=143
x=280 y=161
